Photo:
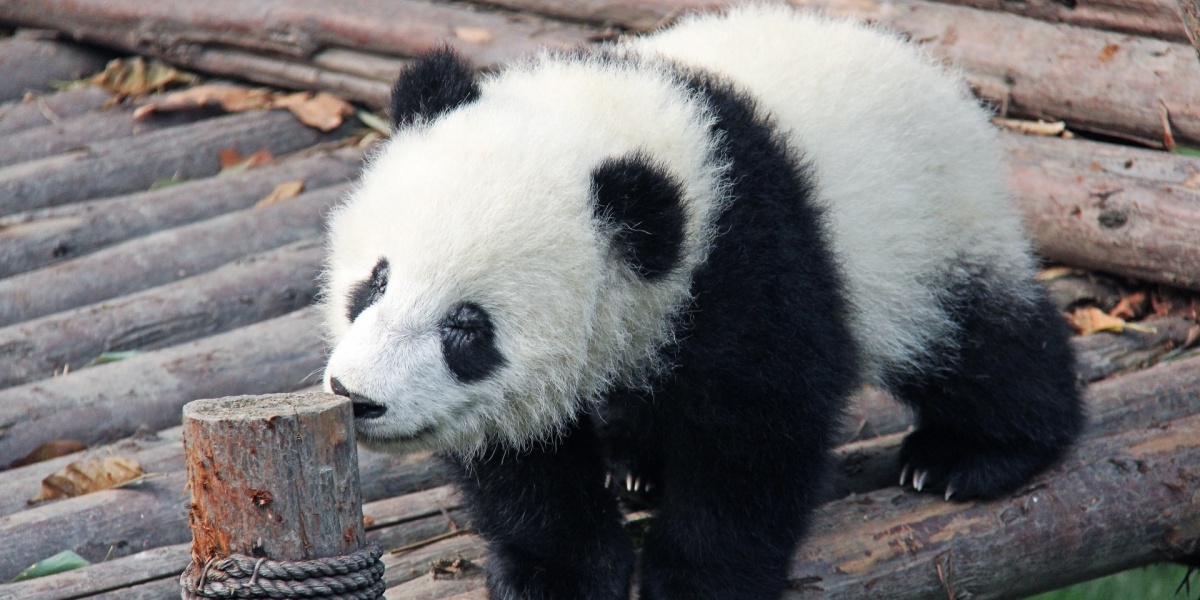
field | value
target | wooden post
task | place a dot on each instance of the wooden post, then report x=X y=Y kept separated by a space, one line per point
x=272 y=477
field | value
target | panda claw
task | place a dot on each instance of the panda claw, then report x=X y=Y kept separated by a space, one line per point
x=949 y=492
x=607 y=480
x=919 y=479
x=629 y=482
x=637 y=484
x=904 y=475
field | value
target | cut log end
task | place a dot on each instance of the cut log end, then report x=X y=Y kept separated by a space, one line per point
x=272 y=476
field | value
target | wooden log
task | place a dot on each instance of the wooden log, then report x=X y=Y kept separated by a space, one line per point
x=637 y=15
x=149 y=517
x=251 y=289
x=35 y=65
x=290 y=73
x=393 y=522
x=156 y=453
x=37 y=110
x=273 y=477
x=1190 y=11
x=115 y=167
x=296 y=28
x=104 y=403
x=1122 y=210
x=1109 y=353
x=1103 y=82
x=1153 y=18
x=71 y=133
x=43 y=237
x=163 y=257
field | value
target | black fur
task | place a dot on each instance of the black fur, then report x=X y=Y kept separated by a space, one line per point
x=735 y=437
x=469 y=343
x=435 y=83
x=1003 y=404
x=368 y=291
x=640 y=201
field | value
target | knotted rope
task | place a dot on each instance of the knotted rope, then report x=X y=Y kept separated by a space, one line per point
x=357 y=576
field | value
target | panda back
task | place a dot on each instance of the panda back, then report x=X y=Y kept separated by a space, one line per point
x=905 y=162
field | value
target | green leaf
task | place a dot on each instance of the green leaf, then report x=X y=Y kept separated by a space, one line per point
x=63 y=561
x=164 y=183
x=1185 y=151
x=108 y=357
x=375 y=122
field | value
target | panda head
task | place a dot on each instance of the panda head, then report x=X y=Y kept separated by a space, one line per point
x=513 y=250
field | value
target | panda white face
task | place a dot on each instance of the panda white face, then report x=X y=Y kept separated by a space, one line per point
x=501 y=265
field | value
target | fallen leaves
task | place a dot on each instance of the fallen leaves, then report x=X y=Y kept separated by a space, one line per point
x=1039 y=127
x=1089 y=319
x=283 y=191
x=66 y=560
x=232 y=162
x=474 y=35
x=89 y=475
x=319 y=110
x=136 y=77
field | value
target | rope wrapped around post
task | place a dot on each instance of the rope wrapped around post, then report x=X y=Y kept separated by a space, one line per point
x=357 y=576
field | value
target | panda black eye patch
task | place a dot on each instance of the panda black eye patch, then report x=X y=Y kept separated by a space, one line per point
x=368 y=291
x=469 y=343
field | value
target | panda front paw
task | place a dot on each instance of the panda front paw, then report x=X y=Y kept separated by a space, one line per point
x=629 y=484
x=966 y=469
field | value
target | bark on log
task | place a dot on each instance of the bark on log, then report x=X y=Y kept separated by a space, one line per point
x=272 y=476
x=115 y=167
x=1190 y=11
x=1154 y=18
x=163 y=257
x=290 y=73
x=35 y=65
x=39 y=238
x=1097 y=81
x=258 y=287
x=69 y=134
x=107 y=402
x=296 y=28
x=48 y=109
x=1122 y=210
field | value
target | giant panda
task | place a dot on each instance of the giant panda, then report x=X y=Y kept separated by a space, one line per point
x=673 y=259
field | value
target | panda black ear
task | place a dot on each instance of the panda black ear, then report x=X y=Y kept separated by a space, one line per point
x=640 y=202
x=437 y=82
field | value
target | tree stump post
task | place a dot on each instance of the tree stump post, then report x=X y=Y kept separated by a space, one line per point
x=275 y=502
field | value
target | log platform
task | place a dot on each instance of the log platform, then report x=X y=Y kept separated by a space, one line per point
x=148 y=261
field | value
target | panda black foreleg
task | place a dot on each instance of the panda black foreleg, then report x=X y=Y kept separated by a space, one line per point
x=553 y=531
x=738 y=487
x=1000 y=407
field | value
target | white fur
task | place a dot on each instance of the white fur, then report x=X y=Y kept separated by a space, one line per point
x=490 y=204
x=905 y=158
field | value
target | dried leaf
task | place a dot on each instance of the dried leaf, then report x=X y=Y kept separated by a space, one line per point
x=1032 y=127
x=322 y=111
x=230 y=98
x=1130 y=307
x=63 y=561
x=1089 y=320
x=49 y=450
x=283 y=191
x=135 y=77
x=474 y=35
x=89 y=475
x=1192 y=181
x=1108 y=52
x=1055 y=273
x=232 y=162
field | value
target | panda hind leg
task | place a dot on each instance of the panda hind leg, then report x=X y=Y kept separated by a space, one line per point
x=1000 y=407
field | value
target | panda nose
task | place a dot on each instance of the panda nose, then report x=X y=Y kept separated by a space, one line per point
x=363 y=408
